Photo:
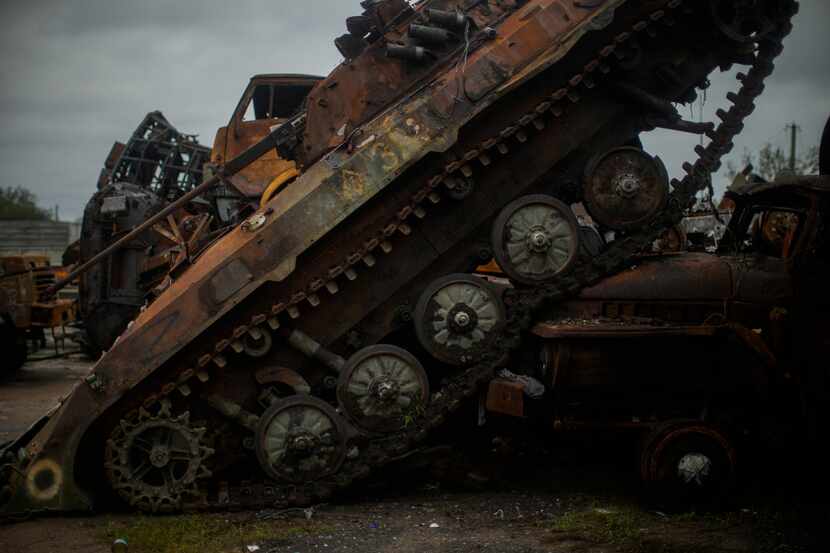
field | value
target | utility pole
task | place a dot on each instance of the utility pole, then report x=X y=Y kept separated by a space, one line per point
x=793 y=133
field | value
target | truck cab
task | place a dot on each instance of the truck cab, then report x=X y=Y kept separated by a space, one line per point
x=268 y=100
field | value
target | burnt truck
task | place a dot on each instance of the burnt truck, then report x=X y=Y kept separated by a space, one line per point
x=337 y=326
x=26 y=313
x=695 y=350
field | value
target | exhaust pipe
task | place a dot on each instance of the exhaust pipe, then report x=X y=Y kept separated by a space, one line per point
x=430 y=35
x=410 y=53
x=447 y=19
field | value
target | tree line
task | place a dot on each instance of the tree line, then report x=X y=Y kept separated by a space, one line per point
x=18 y=203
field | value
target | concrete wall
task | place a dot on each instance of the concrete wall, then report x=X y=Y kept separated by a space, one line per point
x=37 y=237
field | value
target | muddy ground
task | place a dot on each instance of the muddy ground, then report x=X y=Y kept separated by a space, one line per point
x=517 y=494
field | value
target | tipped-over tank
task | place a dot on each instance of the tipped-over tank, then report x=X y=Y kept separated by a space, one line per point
x=328 y=333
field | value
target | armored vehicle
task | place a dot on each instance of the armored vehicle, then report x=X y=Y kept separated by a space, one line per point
x=336 y=326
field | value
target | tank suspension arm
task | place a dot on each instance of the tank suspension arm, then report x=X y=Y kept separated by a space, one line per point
x=308 y=346
x=233 y=411
x=664 y=115
x=277 y=137
x=646 y=99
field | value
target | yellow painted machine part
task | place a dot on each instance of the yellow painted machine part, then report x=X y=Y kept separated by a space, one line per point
x=491 y=268
x=276 y=184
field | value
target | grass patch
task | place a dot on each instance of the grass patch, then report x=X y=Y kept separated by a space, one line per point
x=202 y=533
x=619 y=525
x=627 y=528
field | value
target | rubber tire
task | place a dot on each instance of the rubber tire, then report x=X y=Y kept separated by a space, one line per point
x=664 y=487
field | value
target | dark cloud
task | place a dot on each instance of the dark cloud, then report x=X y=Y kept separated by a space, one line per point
x=798 y=91
x=78 y=75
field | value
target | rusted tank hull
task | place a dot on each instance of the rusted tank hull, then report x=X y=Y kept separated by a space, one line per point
x=243 y=261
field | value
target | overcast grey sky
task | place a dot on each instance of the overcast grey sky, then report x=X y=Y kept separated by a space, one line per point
x=80 y=74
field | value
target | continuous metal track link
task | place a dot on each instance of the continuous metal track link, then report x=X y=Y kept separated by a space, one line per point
x=522 y=303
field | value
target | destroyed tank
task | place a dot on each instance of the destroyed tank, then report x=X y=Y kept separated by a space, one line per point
x=333 y=329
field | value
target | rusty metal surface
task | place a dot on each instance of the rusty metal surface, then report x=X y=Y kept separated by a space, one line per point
x=157 y=166
x=360 y=89
x=505 y=397
x=24 y=280
x=618 y=330
x=160 y=158
x=268 y=100
x=690 y=276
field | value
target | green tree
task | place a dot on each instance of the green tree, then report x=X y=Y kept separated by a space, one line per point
x=19 y=203
x=770 y=162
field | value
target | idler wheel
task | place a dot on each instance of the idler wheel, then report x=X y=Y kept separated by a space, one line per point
x=300 y=439
x=382 y=388
x=625 y=188
x=688 y=462
x=535 y=238
x=456 y=317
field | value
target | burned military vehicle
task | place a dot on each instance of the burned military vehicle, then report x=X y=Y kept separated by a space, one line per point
x=336 y=326
x=156 y=167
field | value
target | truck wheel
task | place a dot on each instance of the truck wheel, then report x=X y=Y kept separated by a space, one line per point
x=14 y=342
x=686 y=463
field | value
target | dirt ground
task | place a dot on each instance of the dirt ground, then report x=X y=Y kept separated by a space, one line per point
x=35 y=389
x=554 y=497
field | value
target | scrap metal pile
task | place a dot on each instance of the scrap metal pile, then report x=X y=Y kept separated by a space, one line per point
x=154 y=168
x=339 y=324
x=157 y=158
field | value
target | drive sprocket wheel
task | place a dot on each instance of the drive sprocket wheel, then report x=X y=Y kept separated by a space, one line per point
x=300 y=439
x=535 y=238
x=456 y=317
x=382 y=388
x=625 y=188
x=154 y=461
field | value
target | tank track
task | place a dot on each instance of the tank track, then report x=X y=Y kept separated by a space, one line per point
x=522 y=303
